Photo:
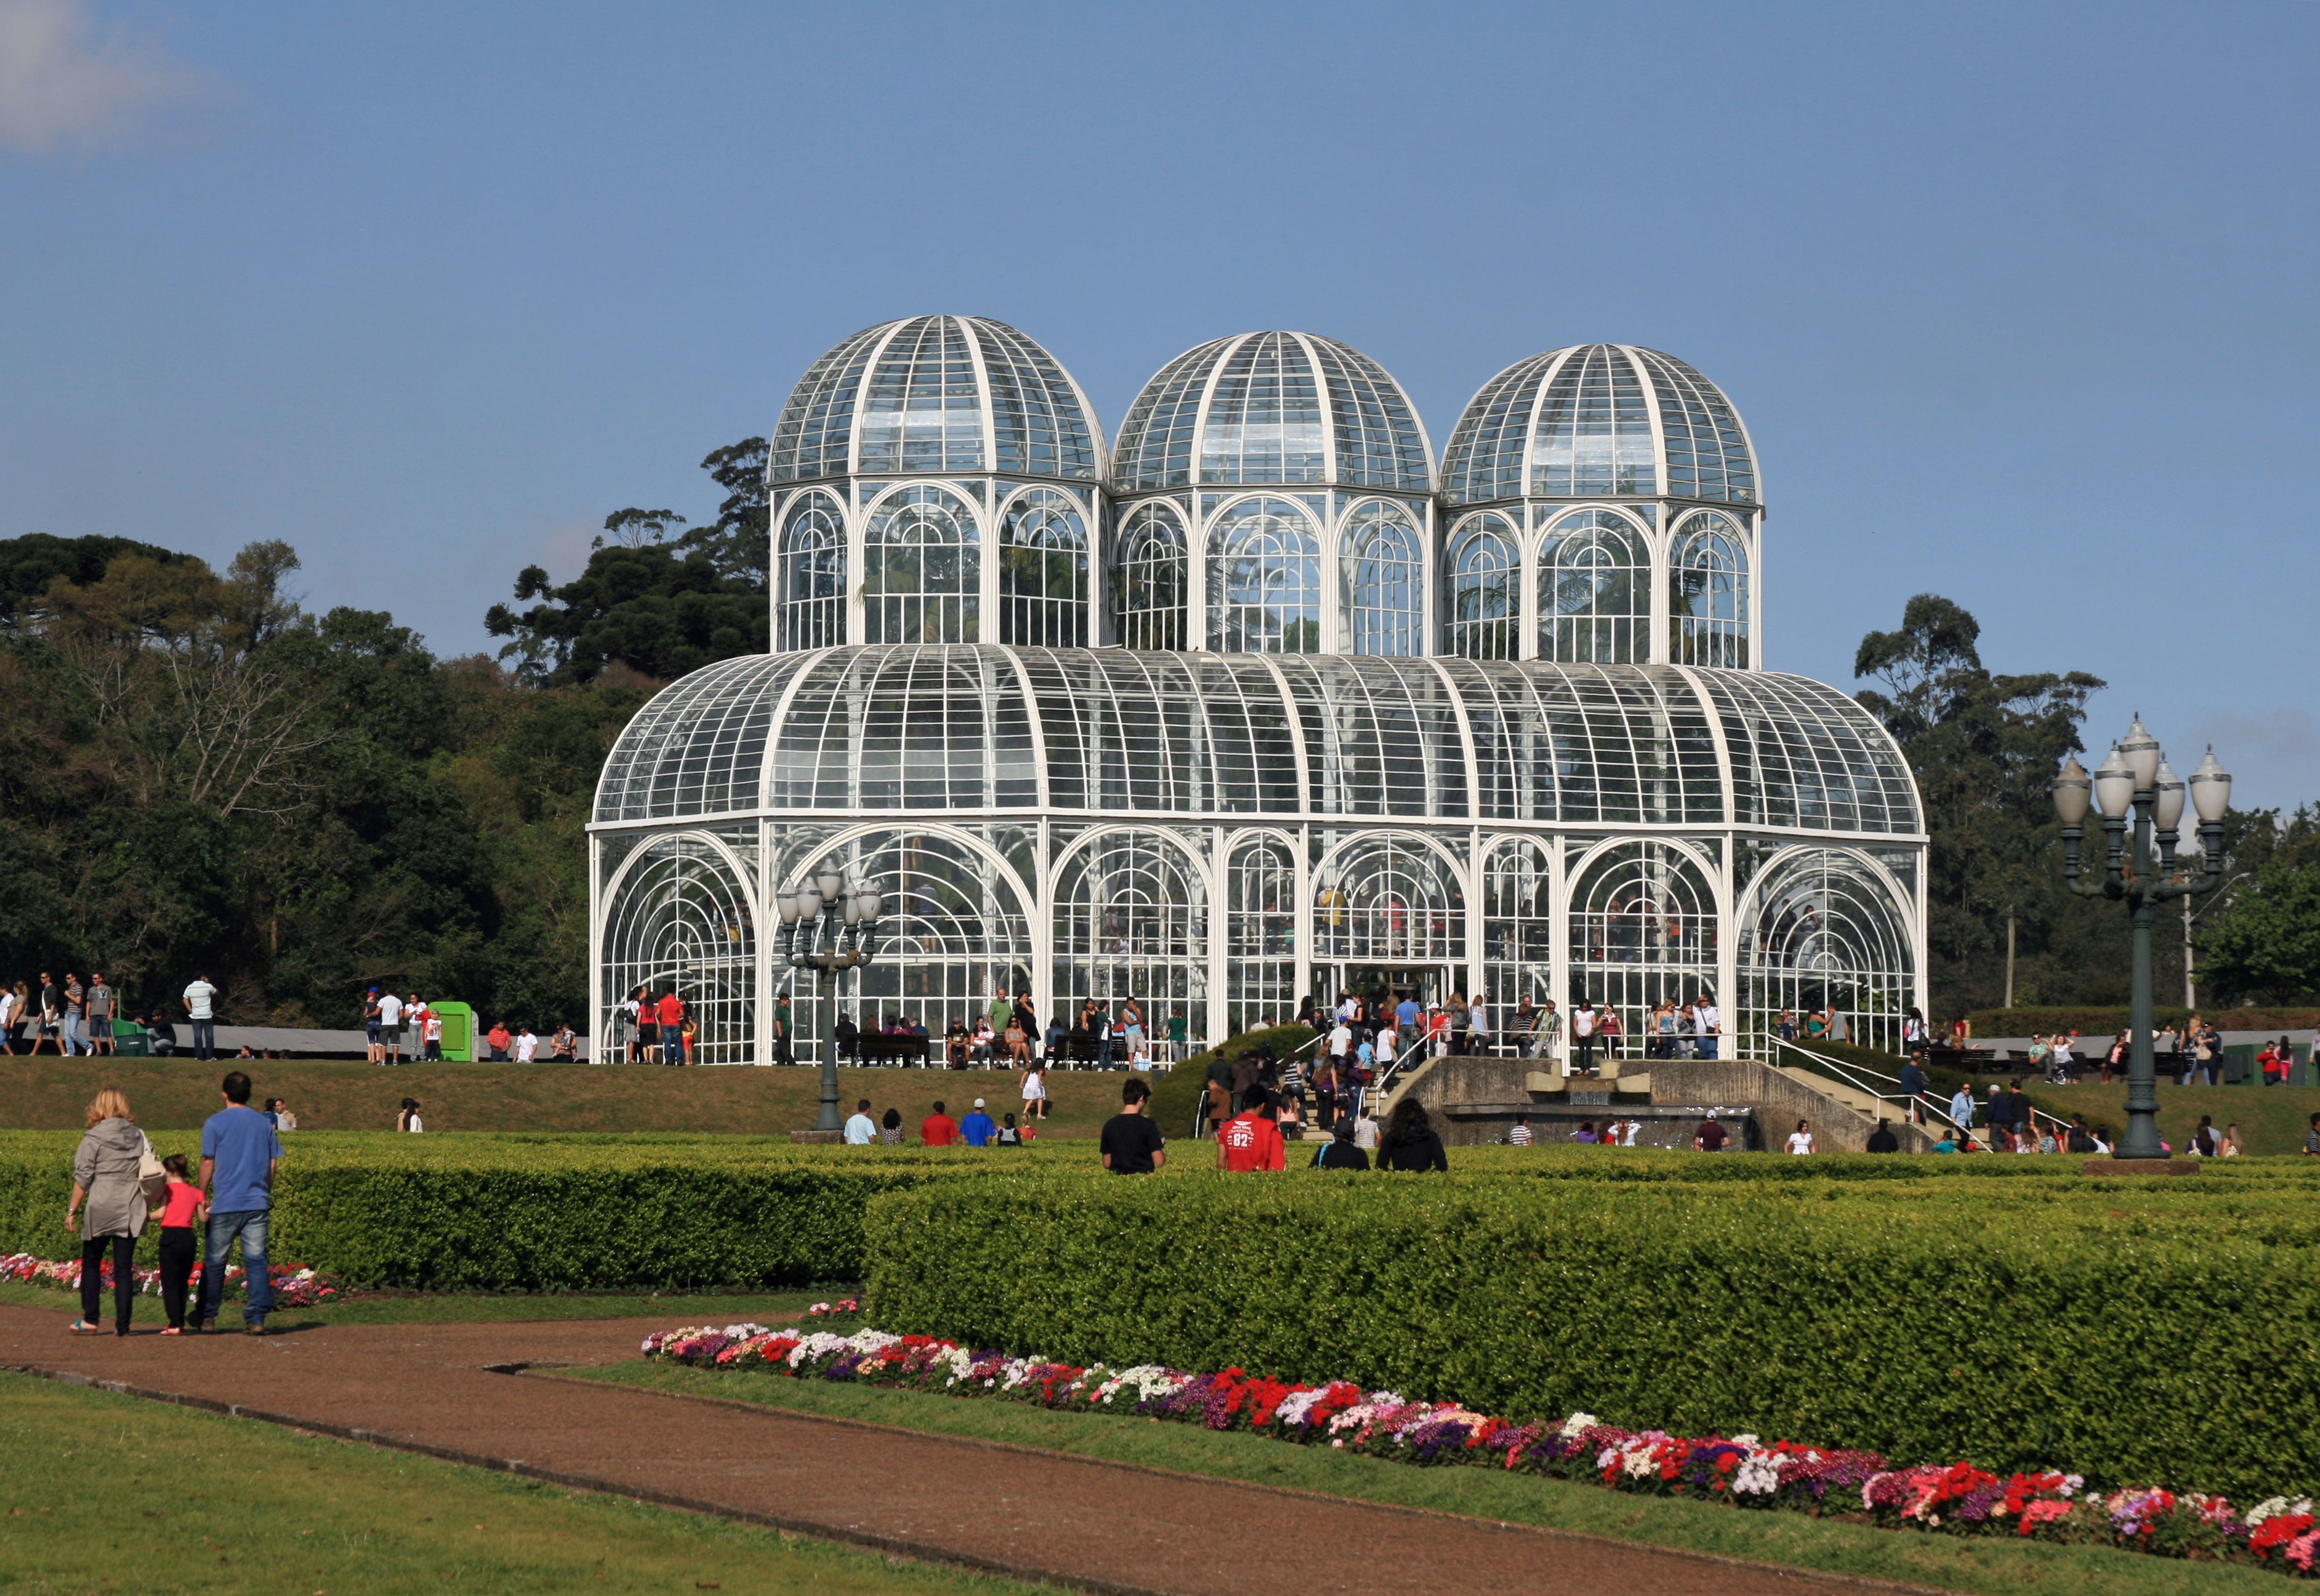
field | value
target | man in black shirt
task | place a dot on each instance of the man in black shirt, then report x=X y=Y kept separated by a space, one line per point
x=1132 y=1144
x=1341 y=1153
x=1883 y=1140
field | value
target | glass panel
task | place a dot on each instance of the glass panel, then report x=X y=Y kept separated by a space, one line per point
x=1390 y=899
x=1826 y=934
x=1518 y=930
x=1264 y=580
x=1264 y=421
x=923 y=573
x=1384 y=574
x=1148 y=588
x=813 y=572
x=1643 y=933
x=1485 y=574
x=1261 y=945
x=1594 y=432
x=681 y=921
x=922 y=408
x=1043 y=567
x=1132 y=921
x=1708 y=593
x=1595 y=590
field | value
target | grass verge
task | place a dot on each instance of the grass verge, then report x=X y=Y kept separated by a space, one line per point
x=108 y=1491
x=416 y=1307
x=1794 y=1541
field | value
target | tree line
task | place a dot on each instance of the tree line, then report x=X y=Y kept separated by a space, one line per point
x=198 y=775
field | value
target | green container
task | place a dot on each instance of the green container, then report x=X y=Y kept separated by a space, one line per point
x=131 y=1040
x=458 y=1032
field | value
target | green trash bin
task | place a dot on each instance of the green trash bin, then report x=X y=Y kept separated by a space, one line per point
x=458 y=1032
x=131 y=1040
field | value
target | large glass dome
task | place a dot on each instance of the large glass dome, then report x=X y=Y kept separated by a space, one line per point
x=937 y=395
x=1599 y=419
x=1260 y=409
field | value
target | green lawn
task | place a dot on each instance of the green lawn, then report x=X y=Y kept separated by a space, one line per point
x=2272 y=1119
x=108 y=1493
x=50 y=1094
x=413 y=1307
x=1996 y=1566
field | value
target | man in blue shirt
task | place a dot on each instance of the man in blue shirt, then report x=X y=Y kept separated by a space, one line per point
x=1405 y=1018
x=240 y=1152
x=978 y=1128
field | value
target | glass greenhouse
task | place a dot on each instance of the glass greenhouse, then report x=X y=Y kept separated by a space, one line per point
x=1259 y=705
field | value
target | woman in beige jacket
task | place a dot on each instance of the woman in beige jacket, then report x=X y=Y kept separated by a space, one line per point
x=105 y=1176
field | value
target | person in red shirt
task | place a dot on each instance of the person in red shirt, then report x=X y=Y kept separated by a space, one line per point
x=938 y=1130
x=497 y=1040
x=670 y=1011
x=1250 y=1141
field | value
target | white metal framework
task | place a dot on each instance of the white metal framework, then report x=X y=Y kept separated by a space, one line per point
x=1256 y=707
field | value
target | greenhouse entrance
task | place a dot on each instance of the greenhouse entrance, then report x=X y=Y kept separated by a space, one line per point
x=1428 y=983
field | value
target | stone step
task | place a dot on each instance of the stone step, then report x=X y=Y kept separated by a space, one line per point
x=1852 y=1097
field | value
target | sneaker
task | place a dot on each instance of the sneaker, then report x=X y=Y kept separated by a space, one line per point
x=173 y=1330
x=256 y=1329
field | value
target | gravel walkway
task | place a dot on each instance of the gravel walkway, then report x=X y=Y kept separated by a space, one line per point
x=1075 y=1521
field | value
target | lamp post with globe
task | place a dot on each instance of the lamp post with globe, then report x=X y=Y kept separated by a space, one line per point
x=828 y=926
x=2141 y=800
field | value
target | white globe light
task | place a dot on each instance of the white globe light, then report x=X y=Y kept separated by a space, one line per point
x=2139 y=749
x=809 y=902
x=830 y=882
x=2113 y=786
x=786 y=904
x=2167 y=811
x=2211 y=788
x=2073 y=792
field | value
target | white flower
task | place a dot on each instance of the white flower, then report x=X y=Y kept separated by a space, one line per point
x=1577 y=1425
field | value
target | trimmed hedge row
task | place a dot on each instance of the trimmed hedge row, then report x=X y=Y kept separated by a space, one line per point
x=511 y=1214
x=2133 y=1337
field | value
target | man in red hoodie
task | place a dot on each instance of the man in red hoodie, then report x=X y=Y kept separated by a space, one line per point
x=1250 y=1141
x=938 y=1130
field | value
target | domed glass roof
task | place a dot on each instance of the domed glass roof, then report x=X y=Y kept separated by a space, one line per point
x=1266 y=408
x=1597 y=419
x=908 y=727
x=937 y=395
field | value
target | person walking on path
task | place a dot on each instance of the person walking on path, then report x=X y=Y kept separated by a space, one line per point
x=107 y=1174
x=1132 y=1143
x=239 y=1154
x=42 y=1027
x=181 y=1209
x=76 y=1015
x=1410 y=1140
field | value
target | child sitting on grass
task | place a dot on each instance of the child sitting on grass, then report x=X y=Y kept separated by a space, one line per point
x=182 y=1209
x=1008 y=1137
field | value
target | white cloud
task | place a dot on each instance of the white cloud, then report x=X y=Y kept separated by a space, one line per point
x=60 y=84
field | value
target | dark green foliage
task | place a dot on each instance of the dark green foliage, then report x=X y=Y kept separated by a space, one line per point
x=2265 y=940
x=29 y=563
x=2066 y=1324
x=658 y=603
x=1177 y=1094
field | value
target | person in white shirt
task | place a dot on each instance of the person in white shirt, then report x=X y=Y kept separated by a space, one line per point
x=1706 y=1025
x=390 y=1026
x=861 y=1130
x=197 y=1009
x=1634 y=1128
x=527 y=1046
x=1341 y=1041
x=1582 y=1038
x=1801 y=1142
x=1365 y=1134
x=7 y=1021
x=414 y=1020
x=1478 y=1027
x=1520 y=1136
x=432 y=1026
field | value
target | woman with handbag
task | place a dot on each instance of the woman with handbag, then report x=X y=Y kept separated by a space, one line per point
x=114 y=1171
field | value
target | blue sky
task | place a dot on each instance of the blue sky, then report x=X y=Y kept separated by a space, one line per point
x=2018 y=302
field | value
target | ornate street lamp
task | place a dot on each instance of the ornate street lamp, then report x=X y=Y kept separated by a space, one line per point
x=827 y=925
x=2136 y=782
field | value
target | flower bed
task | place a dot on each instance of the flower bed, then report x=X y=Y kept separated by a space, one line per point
x=1745 y=1471
x=295 y=1285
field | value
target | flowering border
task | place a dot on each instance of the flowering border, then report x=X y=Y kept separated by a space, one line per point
x=1957 y=1498
x=295 y=1285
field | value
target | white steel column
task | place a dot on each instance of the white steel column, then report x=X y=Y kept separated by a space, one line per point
x=762 y=888
x=597 y=1030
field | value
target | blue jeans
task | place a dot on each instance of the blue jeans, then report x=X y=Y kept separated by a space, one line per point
x=204 y=1039
x=1706 y=1045
x=250 y=1224
x=75 y=1043
x=671 y=1042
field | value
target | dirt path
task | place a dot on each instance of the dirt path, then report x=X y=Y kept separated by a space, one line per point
x=1077 y=1521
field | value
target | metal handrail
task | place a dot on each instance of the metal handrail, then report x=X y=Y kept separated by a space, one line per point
x=1846 y=1071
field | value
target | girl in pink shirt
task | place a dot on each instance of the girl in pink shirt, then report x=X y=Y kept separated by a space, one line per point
x=181 y=1209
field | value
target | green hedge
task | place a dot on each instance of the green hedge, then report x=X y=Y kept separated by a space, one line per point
x=2141 y=1333
x=480 y=1212
x=1177 y=1094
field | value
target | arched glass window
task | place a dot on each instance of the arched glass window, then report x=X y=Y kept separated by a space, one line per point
x=1708 y=592
x=1517 y=938
x=1389 y=899
x=1385 y=581
x=1149 y=581
x=1826 y=933
x=1642 y=931
x=954 y=932
x=924 y=570
x=1260 y=940
x=1043 y=568
x=1485 y=574
x=681 y=917
x=1264 y=580
x=1132 y=921
x=813 y=574
x=1595 y=591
